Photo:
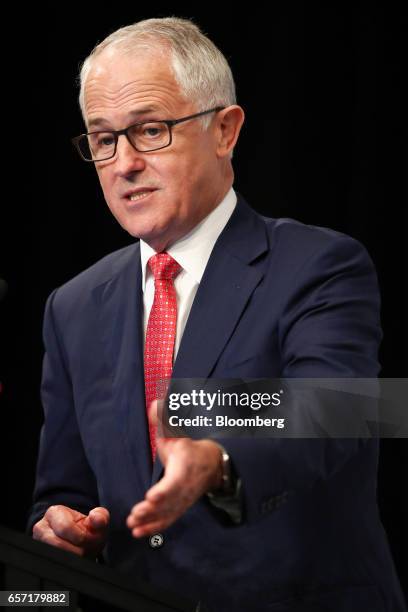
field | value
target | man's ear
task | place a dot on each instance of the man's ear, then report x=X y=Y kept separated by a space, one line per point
x=229 y=123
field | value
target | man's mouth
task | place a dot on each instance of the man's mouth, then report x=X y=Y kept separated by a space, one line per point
x=138 y=194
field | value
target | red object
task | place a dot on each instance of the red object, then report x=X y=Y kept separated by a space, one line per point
x=161 y=332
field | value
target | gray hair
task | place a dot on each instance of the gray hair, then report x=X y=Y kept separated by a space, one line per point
x=199 y=67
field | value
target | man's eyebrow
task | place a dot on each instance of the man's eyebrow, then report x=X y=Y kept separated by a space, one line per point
x=133 y=115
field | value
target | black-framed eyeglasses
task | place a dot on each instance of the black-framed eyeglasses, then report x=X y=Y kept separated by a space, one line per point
x=144 y=137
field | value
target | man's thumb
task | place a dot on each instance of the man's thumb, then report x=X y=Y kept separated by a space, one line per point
x=97 y=519
x=152 y=412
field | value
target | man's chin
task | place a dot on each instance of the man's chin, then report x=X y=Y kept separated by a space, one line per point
x=156 y=240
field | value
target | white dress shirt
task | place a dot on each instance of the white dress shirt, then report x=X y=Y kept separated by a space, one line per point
x=192 y=252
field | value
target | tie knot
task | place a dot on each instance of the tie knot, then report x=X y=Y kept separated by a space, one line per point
x=163 y=266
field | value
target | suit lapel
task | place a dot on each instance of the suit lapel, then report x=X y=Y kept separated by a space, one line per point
x=225 y=289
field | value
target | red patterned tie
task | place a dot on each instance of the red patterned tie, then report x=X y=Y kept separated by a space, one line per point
x=161 y=331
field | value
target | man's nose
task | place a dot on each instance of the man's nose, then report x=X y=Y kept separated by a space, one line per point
x=128 y=160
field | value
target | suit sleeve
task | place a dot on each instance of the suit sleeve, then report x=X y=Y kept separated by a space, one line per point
x=330 y=328
x=63 y=472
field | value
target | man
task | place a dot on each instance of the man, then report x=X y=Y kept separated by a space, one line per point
x=211 y=290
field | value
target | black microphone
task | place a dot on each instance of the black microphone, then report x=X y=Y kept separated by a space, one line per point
x=3 y=288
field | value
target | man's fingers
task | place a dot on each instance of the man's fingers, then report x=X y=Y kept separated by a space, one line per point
x=166 y=489
x=143 y=508
x=147 y=512
x=73 y=531
x=66 y=524
x=164 y=507
x=44 y=533
x=191 y=468
x=141 y=513
x=175 y=482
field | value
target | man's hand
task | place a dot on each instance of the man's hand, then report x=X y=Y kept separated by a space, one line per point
x=70 y=530
x=192 y=468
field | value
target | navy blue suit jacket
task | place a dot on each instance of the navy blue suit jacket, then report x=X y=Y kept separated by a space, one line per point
x=277 y=299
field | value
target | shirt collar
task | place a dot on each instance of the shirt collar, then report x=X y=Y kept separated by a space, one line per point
x=193 y=250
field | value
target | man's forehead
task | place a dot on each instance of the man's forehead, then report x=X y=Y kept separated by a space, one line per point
x=115 y=78
x=115 y=62
x=116 y=73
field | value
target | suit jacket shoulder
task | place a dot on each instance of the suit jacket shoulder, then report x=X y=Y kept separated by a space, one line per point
x=69 y=297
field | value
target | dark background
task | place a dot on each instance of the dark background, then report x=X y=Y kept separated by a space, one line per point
x=323 y=142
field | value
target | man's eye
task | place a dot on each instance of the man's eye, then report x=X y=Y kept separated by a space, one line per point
x=105 y=140
x=152 y=131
